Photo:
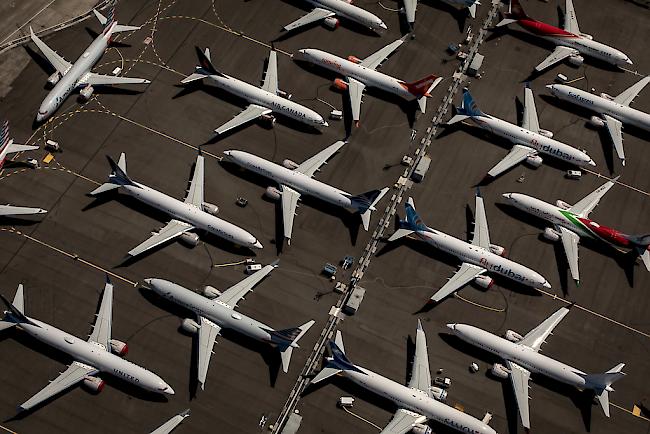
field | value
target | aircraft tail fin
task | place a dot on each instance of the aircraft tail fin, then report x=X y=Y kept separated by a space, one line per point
x=601 y=384
x=117 y=178
x=108 y=20
x=423 y=86
x=287 y=339
x=468 y=106
x=514 y=14
x=16 y=310
x=365 y=204
x=337 y=363
x=412 y=223
x=641 y=245
x=472 y=10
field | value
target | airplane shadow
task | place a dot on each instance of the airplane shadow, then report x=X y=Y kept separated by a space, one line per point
x=459 y=14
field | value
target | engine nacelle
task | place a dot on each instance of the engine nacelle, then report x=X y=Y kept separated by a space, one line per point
x=211 y=291
x=534 y=161
x=210 y=208
x=94 y=384
x=354 y=59
x=485 y=282
x=290 y=164
x=576 y=60
x=500 y=371
x=562 y=204
x=54 y=78
x=513 y=336
x=331 y=22
x=284 y=94
x=119 y=348
x=606 y=96
x=497 y=249
x=438 y=393
x=546 y=133
x=420 y=428
x=270 y=119
x=190 y=239
x=190 y=326
x=587 y=35
x=596 y=121
x=340 y=84
x=272 y=193
x=86 y=93
x=551 y=235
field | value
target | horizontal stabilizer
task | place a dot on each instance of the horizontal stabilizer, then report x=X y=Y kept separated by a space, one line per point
x=4 y=325
x=324 y=374
x=603 y=400
x=456 y=118
x=108 y=186
x=193 y=77
x=400 y=233
x=366 y=202
x=287 y=340
x=122 y=28
x=505 y=22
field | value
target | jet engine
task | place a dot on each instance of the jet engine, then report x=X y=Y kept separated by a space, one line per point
x=576 y=60
x=420 y=428
x=587 y=35
x=551 y=235
x=354 y=59
x=290 y=164
x=562 y=204
x=513 y=336
x=211 y=291
x=210 y=208
x=284 y=94
x=268 y=118
x=272 y=193
x=596 y=121
x=546 y=133
x=331 y=22
x=190 y=326
x=190 y=239
x=86 y=93
x=94 y=384
x=119 y=348
x=497 y=249
x=340 y=84
x=606 y=96
x=484 y=281
x=54 y=78
x=534 y=161
x=438 y=393
x=499 y=371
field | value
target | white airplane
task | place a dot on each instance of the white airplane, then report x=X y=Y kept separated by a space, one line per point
x=360 y=74
x=613 y=111
x=410 y=7
x=570 y=42
x=522 y=357
x=417 y=403
x=215 y=310
x=69 y=77
x=187 y=216
x=529 y=139
x=172 y=423
x=328 y=10
x=297 y=179
x=571 y=222
x=478 y=256
x=100 y=354
x=263 y=100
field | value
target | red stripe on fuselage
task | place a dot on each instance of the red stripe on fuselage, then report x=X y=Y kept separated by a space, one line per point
x=543 y=29
x=606 y=233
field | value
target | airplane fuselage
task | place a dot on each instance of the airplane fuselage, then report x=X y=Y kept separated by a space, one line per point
x=347 y=10
x=521 y=136
x=95 y=355
x=481 y=257
x=601 y=105
x=261 y=97
x=417 y=401
x=191 y=214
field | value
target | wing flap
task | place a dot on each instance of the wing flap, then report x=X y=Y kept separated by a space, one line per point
x=519 y=377
x=570 y=19
x=195 y=193
x=271 y=75
x=289 y=204
x=517 y=154
x=75 y=373
x=355 y=93
x=570 y=242
x=235 y=293
x=173 y=229
x=94 y=79
x=208 y=333
x=530 y=121
x=374 y=60
x=421 y=374
x=615 y=128
x=537 y=336
x=560 y=53
x=313 y=16
x=313 y=164
x=481 y=236
x=465 y=274
x=57 y=61
x=403 y=421
x=250 y=113
x=587 y=204
x=103 y=323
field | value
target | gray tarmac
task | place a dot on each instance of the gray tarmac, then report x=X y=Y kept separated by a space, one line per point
x=159 y=129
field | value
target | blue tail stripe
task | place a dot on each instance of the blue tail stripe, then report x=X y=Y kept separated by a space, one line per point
x=469 y=106
x=413 y=220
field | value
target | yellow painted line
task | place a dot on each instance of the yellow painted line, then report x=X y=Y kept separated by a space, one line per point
x=229 y=264
x=362 y=418
x=8 y=430
x=617 y=182
x=482 y=306
x=630 y=412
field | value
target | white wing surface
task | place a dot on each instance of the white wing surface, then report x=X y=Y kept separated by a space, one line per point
x=235 y=293
x=58 y=62
x=103 y=323
x=465 y=274
x=519 y=377
x=374 y=60
x=208 y=333
x=517 y=154
x=104 y=80
x=355 y=93
x=10 y=210
x=271 y=75
x=587 y=204
x=313 y=164
x=570 y=241
x=403 y=421
x=615 y=128
x=289 y=204
x=570 y=19
x=172 y=423
x=14 y=147
x=250 y=113
x=530 y=121
x=420 y=374
x=410 y=6
x=195 y=193
x=627 y=96
x=174 y=228
x=560 y=53
x=537 y=336
x=481 y=236
x=313 y=16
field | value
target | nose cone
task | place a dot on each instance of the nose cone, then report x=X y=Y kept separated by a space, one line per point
x=168 y=390
x=258 y=245
x=382 y=25
x=628 y=61
x=451 y=326
x=324 y=123
x=507 y=196
x=591 y=162
x=546 y=285
x=300 y=55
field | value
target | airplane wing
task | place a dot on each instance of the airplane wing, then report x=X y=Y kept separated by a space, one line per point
x=172 y=423
x=587 y=204
x=104 y=80
x=410 y=6
x=103 y=323
x=570 y=19
x=208 y=333
x=250 y=113
x=289 y=204
x=195 y=193
x=355 y=93
x=232 y=295
x=570 y=242
x=75 y=373
x=374 y=60
x=560 y=53
x=271 y=75
x=537 y=336
x=313 y=164
x=517 y=154
x=313 y=16
x=465 y=274
x=530 y=121
x=15 y=147
x=9 y=210
x=58 y=62
x=519 y=377
x=627 y=96
x=174 y=228
x=420 y=374
x=481 y=236
x=615 y=128
x=403 y=421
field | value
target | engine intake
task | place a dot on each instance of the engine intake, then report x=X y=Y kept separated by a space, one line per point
x=497 y=249
x=513 y=336
x=438 y=393
x=289 y=164
x=270 y=119
x=562 y=204
x=86 y=93
x=551 y=235
x=54 y=78
x=340 y=84
x=94 y=384
x=331 y=22
x=420 y=428
x=119 y=348
x=190 y=326
x=211 y=291
x=576 y=60
x=485 y=282
x=272 y=193
x=190 y=239
x=534 y=161
x=354 y=59
x=596 y=121
x=546 y=133
x=210 y=208
x=500 y=371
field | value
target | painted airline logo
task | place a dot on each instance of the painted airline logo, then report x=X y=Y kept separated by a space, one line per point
x=580 y=98
x=498 y=268
x=332 y=63
x=127 y=376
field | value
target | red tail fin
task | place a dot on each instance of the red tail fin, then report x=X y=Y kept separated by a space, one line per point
x=421 y=87
x=516 y=12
